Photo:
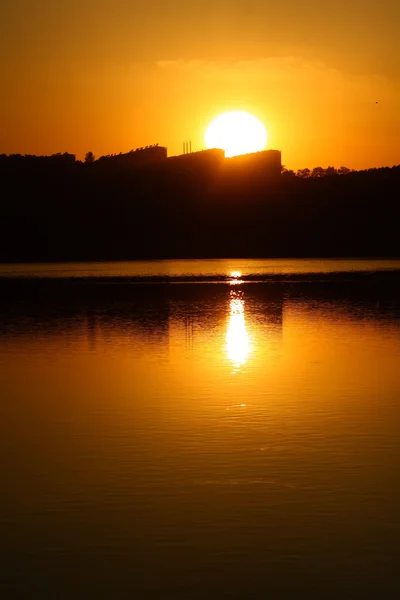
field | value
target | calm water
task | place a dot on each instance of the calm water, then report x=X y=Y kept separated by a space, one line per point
x=210 y=440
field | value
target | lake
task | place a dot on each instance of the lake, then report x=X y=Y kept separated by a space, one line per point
x=200 y=429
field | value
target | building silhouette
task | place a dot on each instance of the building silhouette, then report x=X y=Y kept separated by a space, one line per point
x=267 y=162
x=146 y=155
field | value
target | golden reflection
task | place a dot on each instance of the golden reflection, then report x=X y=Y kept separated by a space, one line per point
x=235 y=278
x=237 y=337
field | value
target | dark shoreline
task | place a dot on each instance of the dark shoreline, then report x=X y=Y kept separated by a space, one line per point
x=80 y=213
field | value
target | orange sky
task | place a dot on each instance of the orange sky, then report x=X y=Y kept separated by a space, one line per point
x=79 y=75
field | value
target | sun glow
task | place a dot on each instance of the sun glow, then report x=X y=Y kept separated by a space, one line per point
x=236 y=132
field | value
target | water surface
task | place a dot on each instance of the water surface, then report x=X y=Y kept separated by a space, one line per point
x=222 y=440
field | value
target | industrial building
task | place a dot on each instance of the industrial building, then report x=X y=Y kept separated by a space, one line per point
x=266 y=163
x=203 y=157
x=146 y=155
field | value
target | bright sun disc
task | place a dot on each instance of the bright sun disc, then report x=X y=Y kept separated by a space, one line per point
x=236 y=132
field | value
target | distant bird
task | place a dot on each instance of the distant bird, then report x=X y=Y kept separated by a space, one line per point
x=376 y=103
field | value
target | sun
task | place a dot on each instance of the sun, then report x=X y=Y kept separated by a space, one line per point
x=236 y=132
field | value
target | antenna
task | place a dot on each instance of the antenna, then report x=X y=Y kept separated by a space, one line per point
x=190 y=146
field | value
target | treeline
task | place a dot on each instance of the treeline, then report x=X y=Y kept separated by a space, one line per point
x=328 y=172
x=56 y=208
x=316 y=172
x=24 y=160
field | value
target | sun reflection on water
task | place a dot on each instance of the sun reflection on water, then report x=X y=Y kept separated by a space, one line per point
x=237 y=337
x=235 y=278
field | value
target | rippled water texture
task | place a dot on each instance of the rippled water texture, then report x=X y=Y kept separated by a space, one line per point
x=210 y=440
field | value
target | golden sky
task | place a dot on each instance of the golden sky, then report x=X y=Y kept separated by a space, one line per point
x=80 y=75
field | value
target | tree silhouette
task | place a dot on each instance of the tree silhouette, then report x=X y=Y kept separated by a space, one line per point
x=304 y=173
x=343 y=171
x=287 y=172
x=329 y=171
x=318 y=172
x=90 y=157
